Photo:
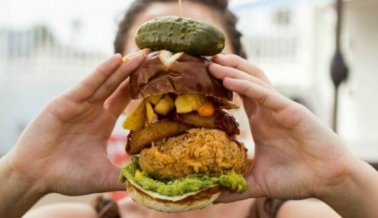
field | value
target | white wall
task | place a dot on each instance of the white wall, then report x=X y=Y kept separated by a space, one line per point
x=29 y=81
x=358 y=118
x=20 y=102
x=307 y=73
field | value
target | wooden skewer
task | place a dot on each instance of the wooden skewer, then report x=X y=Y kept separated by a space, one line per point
x=180 y=8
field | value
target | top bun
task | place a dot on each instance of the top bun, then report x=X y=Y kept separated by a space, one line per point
x=163 y=72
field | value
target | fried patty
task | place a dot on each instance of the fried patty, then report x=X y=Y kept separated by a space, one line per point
x=199 y=151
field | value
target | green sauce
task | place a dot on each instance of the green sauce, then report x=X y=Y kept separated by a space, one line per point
x=231 y=181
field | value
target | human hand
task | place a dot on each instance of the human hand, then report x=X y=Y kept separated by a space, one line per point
x=64 y=149
x=296 y=156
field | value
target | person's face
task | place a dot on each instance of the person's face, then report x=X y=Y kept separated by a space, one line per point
x=193 y=10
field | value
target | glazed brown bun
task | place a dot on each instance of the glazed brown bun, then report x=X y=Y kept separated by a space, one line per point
x=163 y=72
x=197 y=201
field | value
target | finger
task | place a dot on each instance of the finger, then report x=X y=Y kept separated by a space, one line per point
x=263 y=96
x=87 y=87
x=112 y=83
x=221 y=72
x=239 y=63
x=118 y=101
x=227 y=197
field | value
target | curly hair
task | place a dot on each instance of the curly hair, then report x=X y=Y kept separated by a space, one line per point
x=228 y=20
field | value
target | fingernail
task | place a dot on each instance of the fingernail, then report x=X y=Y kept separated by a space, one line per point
x=215 y=65
x=114 y=60
x=128 y=56
x=227 y=80
x=115 y=56
x=218 y=56
x=143 y=52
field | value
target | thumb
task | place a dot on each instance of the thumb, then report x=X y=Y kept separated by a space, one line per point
x=110 y=180
x=227 y=197
x=253 y=191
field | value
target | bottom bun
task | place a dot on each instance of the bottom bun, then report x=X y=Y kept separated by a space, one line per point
x=193 y=202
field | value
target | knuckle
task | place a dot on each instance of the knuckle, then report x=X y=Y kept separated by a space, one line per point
x=88 y=85
x=108 y=86
x=246 y=89
x=234 y=57
x=222 y=71
x=263 y=99
x=235 y=60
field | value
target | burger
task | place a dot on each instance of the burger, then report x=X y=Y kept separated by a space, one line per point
x=182 y=139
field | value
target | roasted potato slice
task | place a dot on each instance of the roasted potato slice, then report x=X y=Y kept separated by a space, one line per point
x=137 y=119
x=154 y=132
x=187 y=103
x=151 y=116
x=198 y=121
x=154 y=99
x=165 y=105
x=220 y=120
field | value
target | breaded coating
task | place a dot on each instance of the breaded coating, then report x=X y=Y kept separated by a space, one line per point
x=199 y=151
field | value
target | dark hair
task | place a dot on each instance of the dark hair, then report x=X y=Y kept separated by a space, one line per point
x=228 y=19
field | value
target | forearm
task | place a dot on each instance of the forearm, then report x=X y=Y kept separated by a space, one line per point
x=17 y=195
x=357 y=196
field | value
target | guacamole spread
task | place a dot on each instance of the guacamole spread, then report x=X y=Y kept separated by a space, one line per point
x=192 y=183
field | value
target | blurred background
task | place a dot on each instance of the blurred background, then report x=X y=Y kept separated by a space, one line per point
x=48 y=45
